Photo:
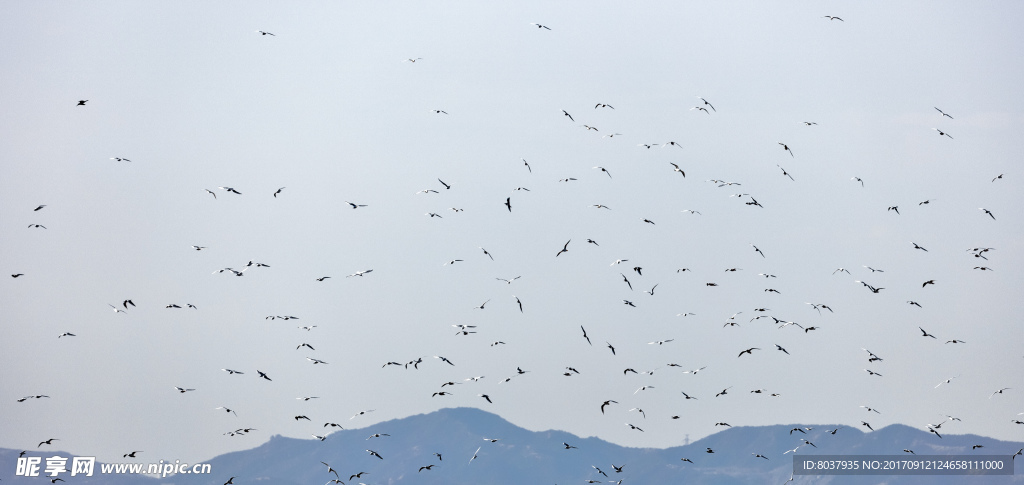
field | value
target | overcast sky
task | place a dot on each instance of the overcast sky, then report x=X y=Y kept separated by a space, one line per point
x=330 y=108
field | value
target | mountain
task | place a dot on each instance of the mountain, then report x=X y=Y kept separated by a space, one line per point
x=521 y=456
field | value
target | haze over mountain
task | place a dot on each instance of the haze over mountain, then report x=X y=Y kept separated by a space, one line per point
x=522 y=456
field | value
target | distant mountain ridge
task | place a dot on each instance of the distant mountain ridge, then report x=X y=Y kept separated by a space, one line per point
x=522 y=456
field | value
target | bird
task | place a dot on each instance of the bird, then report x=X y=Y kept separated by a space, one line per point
x=539 y=26
x=758 y=252
x=439 y=111
x=872 y=373
x=610 y=346
x=987 y=212
x=278 y=191
x=214 y=194
x=832 y=17
x=323 y=278
x=997 y=177
x=706 y=103
x=606 y=403
x=36 y=225
x=508 y=203
x=485 y=396
x=627 y=302
x=865 y=423
x=354 y=205
x=749 y=351
x=566 y=113
x=373 y=453
x=565 y=248
x=942 y=133
x=651 y=292
x=627 y=281
x=82 y=102
x=758 y=455
x=779 y=347
x=486 y=253
x=508 y=281
x=226 y=410
x=67 y=334
x=428 y=467
x=894 y=208
x=263 y=374
x=47 y=442
x=603 y=105
x=413 y=60
x=723 y=392
x=475 y=454
x=527 y=165
x=808 y=123
x=230 y=189
x=784 y=172
x=605 y=170
x=869 y=409
x=585 y=335
x=569 y=447
x=858 y=179
x=943 y=113
x=786 y=148
x=265 y=33
x=359 y=273
x=926 y=283
x=182 y=390
x=916 y=246
x=687 y=396
x=230 y=371
x=634 y=427
x=701 y=108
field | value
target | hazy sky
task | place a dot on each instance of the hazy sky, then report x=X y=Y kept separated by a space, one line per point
x=330 y=108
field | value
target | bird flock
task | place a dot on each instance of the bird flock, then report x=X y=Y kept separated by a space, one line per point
x=575 y=255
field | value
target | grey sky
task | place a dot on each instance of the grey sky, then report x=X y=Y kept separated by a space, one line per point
x=329 y=108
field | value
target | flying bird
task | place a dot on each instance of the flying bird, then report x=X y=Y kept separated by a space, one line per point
x=565 y=248
x=832 y=17
x=942 y=133
x=539 y=26
x=786 y=148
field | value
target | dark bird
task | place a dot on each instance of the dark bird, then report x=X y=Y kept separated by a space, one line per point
x=943 y=113
x=987 y=212
x=786 y=147
x=832 y=17
x=865 y=423
x=373 y=453
x=566 y=113
x=266 y=33
x=749 y=351
x=428 y=467
x=565 y=248
x=942 y=133
x=278 y=191
x=262 y=374
x=627 y=281
x=611 y=347
x=485 y=396
x=918 y=247
x=784 y=172
x=894 y=208
x=519 y=303
x=539 y=26
x=508 y=203
x=606 y=403
x=929 y=282
x=17 y=275
x=47 y=442
x=924 y=333
x=82 y=102
x=724 y=391
x=779 y=347
x=706 y=103
x=355 y=206
x=446 y=186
